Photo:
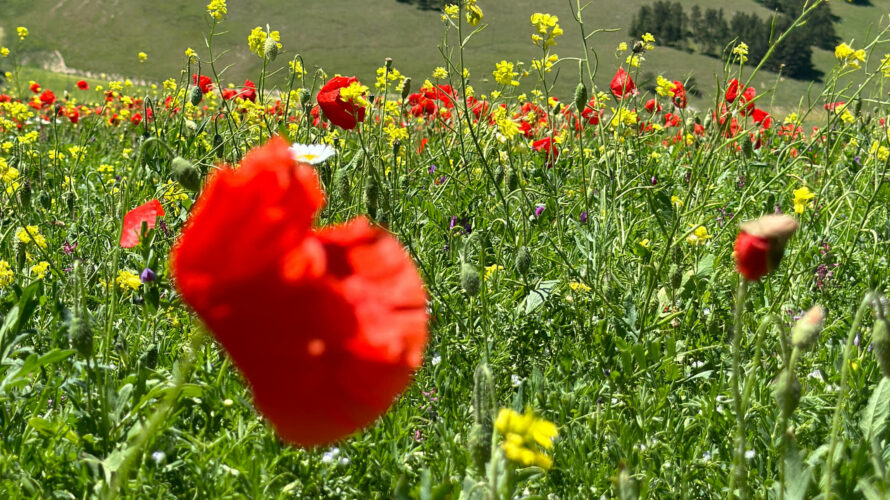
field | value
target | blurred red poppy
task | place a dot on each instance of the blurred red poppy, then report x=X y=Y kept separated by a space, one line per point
x=327 y=325
x=732 y=90
x=147 y=213
x=341 y=113
x=83 y=85
x=679 y=94
x=203 y=82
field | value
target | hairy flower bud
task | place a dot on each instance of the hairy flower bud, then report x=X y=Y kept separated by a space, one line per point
x=880 y=339
x=808 y=328
x=25 y=194
x=185 y=173
x=406 y=88
x=580 y=97
x=45 y=200
x=484 y=407
x=195 y=95
x=787 y=392
x=372 y=194
x=760 y=245
x=305 y=96
x=80 y=335
x=523 y=260
x=270 y=49
x=469 y=279
x=512 y=179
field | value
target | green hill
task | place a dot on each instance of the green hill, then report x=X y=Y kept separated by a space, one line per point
x=354 y=36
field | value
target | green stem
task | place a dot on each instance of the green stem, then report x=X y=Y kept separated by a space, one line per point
x=738 y=467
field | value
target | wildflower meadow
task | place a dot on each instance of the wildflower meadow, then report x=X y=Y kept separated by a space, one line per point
x=453 y=285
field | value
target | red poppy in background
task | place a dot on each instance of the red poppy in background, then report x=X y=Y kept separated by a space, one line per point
x=327 y=325
x=203 y=82
x=147 y=213
x=732 y=91
x=47 y=97
x=593 y=116
x=341 y=113
x=761 y=243
x=248 y=91
x=35 y=87
x=747 y=100
x=762 y=118
x=83 y=85
x=622 y=85
x=679 y=94
x=547 y=146
x=652 y=106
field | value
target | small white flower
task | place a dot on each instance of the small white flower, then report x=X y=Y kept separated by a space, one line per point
x=436 y=359
x=515 y=380
x=750 y=454
x=158 y=456
x=312 y=153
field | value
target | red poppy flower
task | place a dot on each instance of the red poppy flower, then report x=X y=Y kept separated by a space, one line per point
x=248 y=91
x=35 y=87
x=228 y=94
x=327 y=325
x=679 y=94
x=593 y=116
x=762 y=118
x=341 y=113
x=622 y=85
x=547 y=146
x=147 y=213
x=136 y=119
x=652 y=106
x=205 y=83
x=83 y=85
x=47 y=97
x=732 y=91
x=760 y=245
x=747 y=100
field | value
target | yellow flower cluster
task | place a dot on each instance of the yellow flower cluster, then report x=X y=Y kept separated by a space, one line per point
x=440 y=73
x=885 y=66
x=257 y=40
x=30 y=234
x=355 y=93
x=525 y=437
x=664 y=87
x=394 y=133
x=142 y=57
x=7 y=174
x=474 y=13
x=880 y=152
x=451 y=11
x=126 y=279
x=506 y=126
x=22 y=32
x=623 y=117
x=392 y=78
x=503 y=74
x=699 y=236
x=6 y=274
x=849 y=57
x=802 y=197
x=741 y=51
x=545 y=63
x=217 y=8
x=38 y=271
x=4 y=52
x=548 y=29
x=578 y=287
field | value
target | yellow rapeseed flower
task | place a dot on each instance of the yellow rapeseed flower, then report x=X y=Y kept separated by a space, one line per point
x=126 y=279
x=6 y=274
x=38 y=271
x=474 y=12
x=699 y=236
x=802 y=197
x=848 y=56
x=142 y=57
x=29 y=234
x=503 y=74
x=741 y=51
x=355 y=93
x=217 y=9
x=440 y=73
x=4 y=52
x=547 y=26
x=22 y=32
x=526 y=437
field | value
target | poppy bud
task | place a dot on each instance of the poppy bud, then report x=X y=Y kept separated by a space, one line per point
x=150 y=358
x=523 y=260
x=760 y=245
x=80 y=335
x=69 y=199
x=45 y=200
x=512 y=180
x=880 y=339
x=186 y=174
x=787 y=392
x=580 y=96
x=387 y=63
x=218 y=145
x=499 y=173
x=483 y=415
x=304 y=95
x=406 y=88
x=341 y=184
x=25 y=194
x=638 y=47
x=195 y=95
x=21 y=252
x=469 y=279
x=808 y=328
x=396 y=145
x=270 y=49
x=372 y=194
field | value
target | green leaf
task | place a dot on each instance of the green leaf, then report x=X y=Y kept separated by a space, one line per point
x=537 y=296
x=874 y=417
x=797 y=476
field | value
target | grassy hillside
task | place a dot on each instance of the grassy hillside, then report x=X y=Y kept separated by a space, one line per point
x=354 y=36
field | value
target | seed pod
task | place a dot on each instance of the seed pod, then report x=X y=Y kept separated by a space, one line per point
x=580 y=97
x=523 y=260
x=218 y=145
x=372 y=194
x=787 y=392
x=80 y=335
x=499 y=173
x=305 y=96
x=387 y=63
x=185 y=173
x=469 y=279
x=195 y=95
x=270 y=49
x=341 y=184
x=880 y=339
x=484 y=407
x=150 y=358
x=69 y=200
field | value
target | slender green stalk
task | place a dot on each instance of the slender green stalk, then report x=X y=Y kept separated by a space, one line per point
x=738 y=467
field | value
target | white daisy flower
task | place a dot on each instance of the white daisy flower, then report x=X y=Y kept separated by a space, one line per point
x=312 y=153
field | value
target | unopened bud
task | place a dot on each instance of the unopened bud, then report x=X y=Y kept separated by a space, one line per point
x=372 y=194
x=808 y=328
x=80 y=335
x=270 y=49
x=638 y=47
x=305 y=96
x=45 y=200
x=760 y=245
x=69 y=200
x=880 y=339
x=185 y=173
x=512 y=179
x=523 y=260
x=218 y=145
x=406 y=88
x=341 y=184
x=469 y=279
x=387 y=63
x=580 y=97
x=195 y=95
x=25 y=194
x=484 y=407
x=787 y=392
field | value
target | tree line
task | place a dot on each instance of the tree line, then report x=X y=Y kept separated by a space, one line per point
x=709 y=32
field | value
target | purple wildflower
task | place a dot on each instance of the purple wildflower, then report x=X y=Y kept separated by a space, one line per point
x=583 y=217
x=539 y=210
x=147 y=275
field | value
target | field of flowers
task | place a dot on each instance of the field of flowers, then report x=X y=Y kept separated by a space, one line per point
x=414 y=289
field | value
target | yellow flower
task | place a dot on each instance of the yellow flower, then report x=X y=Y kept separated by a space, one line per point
x=355 y=93
x=578 y=287
x=142 y=57
x=548 y=29
x=741 y=51
x=6 y=274
x=440 y=73
x=4 y=52
x=489 y=270
x=849 y=57
x=451 y=11
x=217 y=8
x=645 y=243
x=664 y=87
x=38 y=271
x=676 y=201
x=474 y=12
x=126 y=279
x=699 y=235
x=30 y=234
x=525 y=436
x=622 y=46
x=623 y=116
x=257 y=40
x=22 y=32
x=885 y=66
x=802 y=197
x=190 y=53
x=394 y=133
x=503 y=74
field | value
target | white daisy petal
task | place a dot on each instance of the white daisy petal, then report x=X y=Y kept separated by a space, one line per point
x=312 y=153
